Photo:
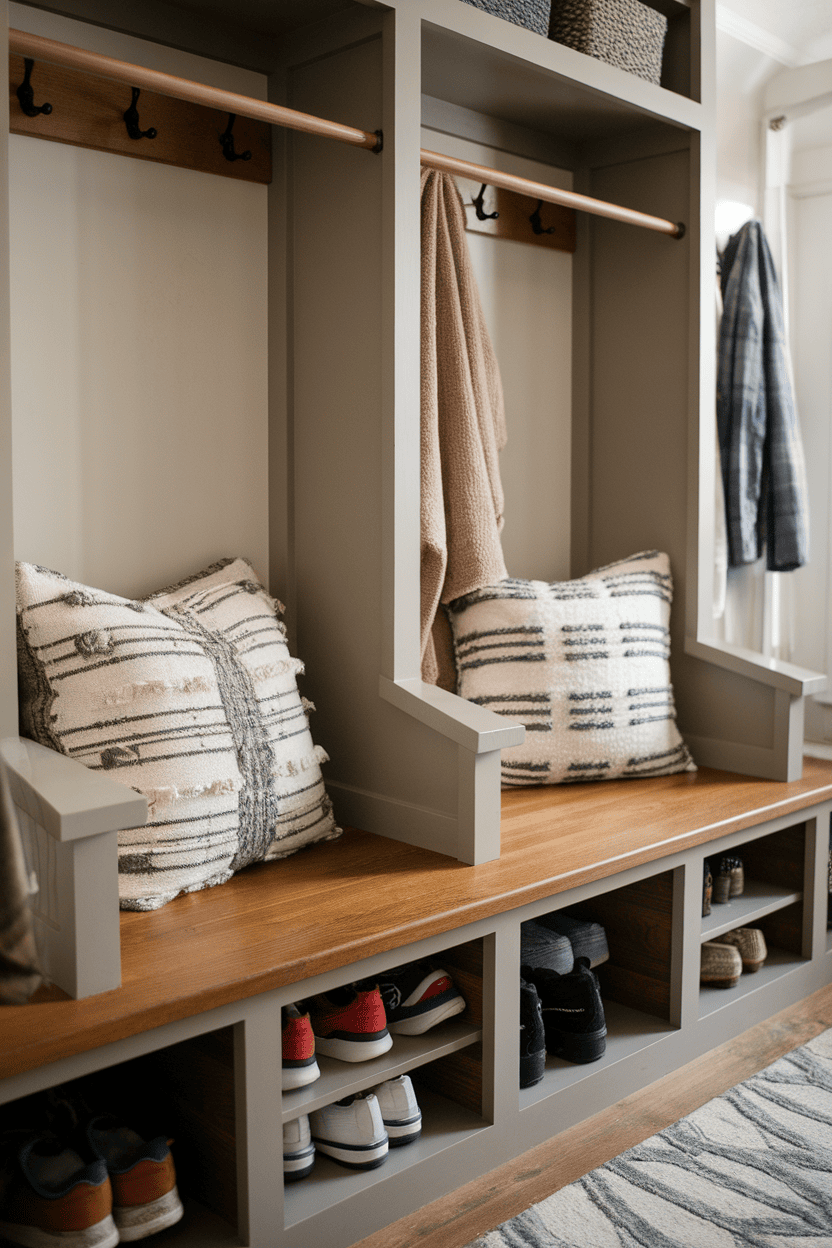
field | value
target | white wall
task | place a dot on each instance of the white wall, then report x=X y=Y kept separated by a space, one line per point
x=742 y=74
x=526 y=293
x=810 y=228
x=138 y=351
x=787 y=614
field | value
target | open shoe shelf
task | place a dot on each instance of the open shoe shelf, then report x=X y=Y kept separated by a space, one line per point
x=629 y=1032
x=445 y=1126
x=408 y=1054
x=778 y=963
x=196 y=1023
x=758 y=900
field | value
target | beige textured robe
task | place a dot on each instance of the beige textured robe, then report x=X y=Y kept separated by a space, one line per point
x=463 y=427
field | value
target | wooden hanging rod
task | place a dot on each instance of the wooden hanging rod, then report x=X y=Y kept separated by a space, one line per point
x=39 y=48
x=550 y=194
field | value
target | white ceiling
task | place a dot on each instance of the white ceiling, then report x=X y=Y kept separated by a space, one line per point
x=795 y=32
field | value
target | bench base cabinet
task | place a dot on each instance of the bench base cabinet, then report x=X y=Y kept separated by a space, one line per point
x=213 y=1080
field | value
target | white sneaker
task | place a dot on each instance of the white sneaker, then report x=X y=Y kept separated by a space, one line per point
x=351 y=1131
x=298 y=1149
x=400 y=1111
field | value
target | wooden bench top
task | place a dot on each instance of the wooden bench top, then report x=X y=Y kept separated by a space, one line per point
x=335 y=903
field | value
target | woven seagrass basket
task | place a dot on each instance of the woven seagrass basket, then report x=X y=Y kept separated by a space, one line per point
x=624 y=33
x=531 y=13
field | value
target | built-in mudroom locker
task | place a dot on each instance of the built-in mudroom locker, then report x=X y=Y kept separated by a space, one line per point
x=214 y=321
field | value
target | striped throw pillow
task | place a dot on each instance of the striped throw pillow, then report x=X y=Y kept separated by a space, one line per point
x=189 y=697
x=584 y=664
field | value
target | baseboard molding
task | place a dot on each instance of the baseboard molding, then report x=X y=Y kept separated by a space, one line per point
x=747 y=760
x=395 y=819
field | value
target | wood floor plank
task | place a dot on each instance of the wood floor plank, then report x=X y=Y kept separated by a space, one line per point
x=456 y=1219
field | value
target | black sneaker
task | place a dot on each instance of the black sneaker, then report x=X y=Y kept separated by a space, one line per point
x=573 y=1013
x=541 y=946
x=532 y=1038
x=586 y=938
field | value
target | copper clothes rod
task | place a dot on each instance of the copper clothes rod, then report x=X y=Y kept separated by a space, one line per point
x=39 y=48
x=550 y=194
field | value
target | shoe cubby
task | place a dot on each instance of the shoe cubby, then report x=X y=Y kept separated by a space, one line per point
x=193 y=1084
x=638 y=921
x=446 y=1125
x=635 y=981
x=441 y=1044
x=446 y=1067
x=772 y=900
x=187 y=1093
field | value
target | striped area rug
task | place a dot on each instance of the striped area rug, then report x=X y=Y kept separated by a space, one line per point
x=751 y=1168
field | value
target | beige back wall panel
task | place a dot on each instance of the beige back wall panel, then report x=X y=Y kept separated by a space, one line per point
x=139 y=375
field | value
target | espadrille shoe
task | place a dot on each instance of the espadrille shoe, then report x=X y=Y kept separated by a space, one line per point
x=751 y=944
x=720 y=965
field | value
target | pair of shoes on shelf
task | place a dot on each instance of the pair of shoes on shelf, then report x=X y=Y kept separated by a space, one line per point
x=572 y=1011
x=356 y=1131
x=724 y=958
x=556 y=940
x=729 y=880
x=354 y=1023
x=348 y=1023
x=84 y=1182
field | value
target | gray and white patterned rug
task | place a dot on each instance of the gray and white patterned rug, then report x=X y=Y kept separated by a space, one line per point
x=751 y=1169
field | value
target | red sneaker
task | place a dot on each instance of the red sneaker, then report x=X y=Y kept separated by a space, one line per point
x=299 y=1065
x=349 y=1023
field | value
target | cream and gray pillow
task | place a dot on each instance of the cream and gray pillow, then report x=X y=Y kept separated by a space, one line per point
x=189 y=697
x=583 y=664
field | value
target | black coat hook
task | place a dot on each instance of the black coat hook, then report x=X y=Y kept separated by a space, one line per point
x=537 y=224
x=482 y=215
x=227 y=142
x=26 y=94
x=131 y=119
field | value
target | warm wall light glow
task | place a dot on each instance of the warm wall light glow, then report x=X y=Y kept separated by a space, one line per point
x=730 y=215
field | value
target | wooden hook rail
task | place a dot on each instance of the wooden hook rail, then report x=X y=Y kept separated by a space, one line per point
x=63 y=54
